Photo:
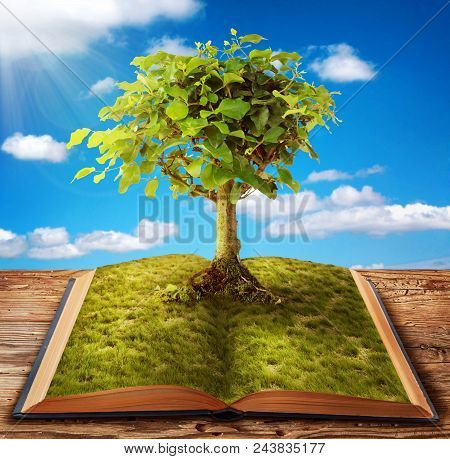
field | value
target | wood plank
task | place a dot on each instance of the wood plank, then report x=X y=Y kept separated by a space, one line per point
x=426 y=342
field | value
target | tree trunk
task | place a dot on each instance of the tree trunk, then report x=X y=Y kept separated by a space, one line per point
x=226 y=275
x=227 y=241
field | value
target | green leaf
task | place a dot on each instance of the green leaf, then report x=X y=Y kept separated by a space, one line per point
x=260 y=118
x=272 y=135
x=194 y=63
x=205 y=113
x=260 y=54
x=225 y=153
x=148 y=81
x=248 y=176
x=231 y=78
x=233 y=31
x=144 y=62
x=268 y=189
x=132 y=87
x=223 y=127
x=191 y=126
x=77 y=137
x=83 y=172
x=99 y=177
x=286 y=177
x=290 y=99
x=251 y=38
x=213 y=97
x=147 y=167
x=178 y=93
x=151 y=187
x=295 y=186
x=235 y=193
x=221 y=176
x=131 y=175
x=104 y=113
x=207 y=177
x=284 y=57
x=301 y=133
x=116 y=134
x=239 y=133
x=194 y=168
x=102 y=159
x=96 y=139
x=177 y=110
x=294 y=111
x=215 y=137
x=233 y=108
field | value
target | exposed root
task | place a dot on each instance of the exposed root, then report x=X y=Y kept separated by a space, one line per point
x=230 y=278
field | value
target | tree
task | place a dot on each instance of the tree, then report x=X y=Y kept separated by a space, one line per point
x=218 y=125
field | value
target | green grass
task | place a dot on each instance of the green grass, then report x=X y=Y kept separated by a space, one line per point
x=320 y=338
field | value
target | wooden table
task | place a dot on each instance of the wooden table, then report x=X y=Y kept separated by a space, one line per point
x=418 y=303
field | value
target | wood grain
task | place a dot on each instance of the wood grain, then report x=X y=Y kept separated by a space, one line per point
x=404 y=371
x=422 y=323
x=58 y=341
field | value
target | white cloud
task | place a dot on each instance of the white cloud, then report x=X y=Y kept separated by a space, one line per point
x=55 y=252
x=11 y=245
x=259 y=206
x=33 y=148
x=66 y=26
x=332 y=175
x=434 y=263
x=48 y=243
x=54 y=243
x=372 y=266
x=347 y=196
x=153 y=232
x=374 y=220
x=329 y=175
x=375 y=169
x=172 y=45
x=47 y=237
x=342 y=65
x=51 y=243
x=110 y=241
x=104 y=86
x=148 y=234
x=346 y=209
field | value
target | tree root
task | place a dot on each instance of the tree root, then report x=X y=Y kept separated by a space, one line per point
x=230 y=278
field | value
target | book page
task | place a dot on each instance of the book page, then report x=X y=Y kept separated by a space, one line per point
x=318 y=338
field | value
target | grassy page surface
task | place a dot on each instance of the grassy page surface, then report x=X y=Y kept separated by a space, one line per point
x=320 y=338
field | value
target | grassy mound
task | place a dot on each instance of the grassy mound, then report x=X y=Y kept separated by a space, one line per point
x=320 y=338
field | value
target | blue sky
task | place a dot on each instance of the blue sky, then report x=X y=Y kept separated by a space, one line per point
x=378 y=197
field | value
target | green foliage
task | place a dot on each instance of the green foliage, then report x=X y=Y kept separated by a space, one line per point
x=83 y=173
x=151 y=187
x=77 y=137
x=135 y=329
x=234 y=113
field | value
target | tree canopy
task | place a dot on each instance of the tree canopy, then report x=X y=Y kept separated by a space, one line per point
x=236 y=114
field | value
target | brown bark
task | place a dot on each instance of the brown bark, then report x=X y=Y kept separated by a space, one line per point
x=227 y=275
x=227 y=241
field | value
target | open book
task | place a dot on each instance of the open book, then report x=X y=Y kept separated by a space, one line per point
x=78 y=374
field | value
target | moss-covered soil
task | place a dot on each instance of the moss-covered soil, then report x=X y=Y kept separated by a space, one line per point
x=319 y=338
